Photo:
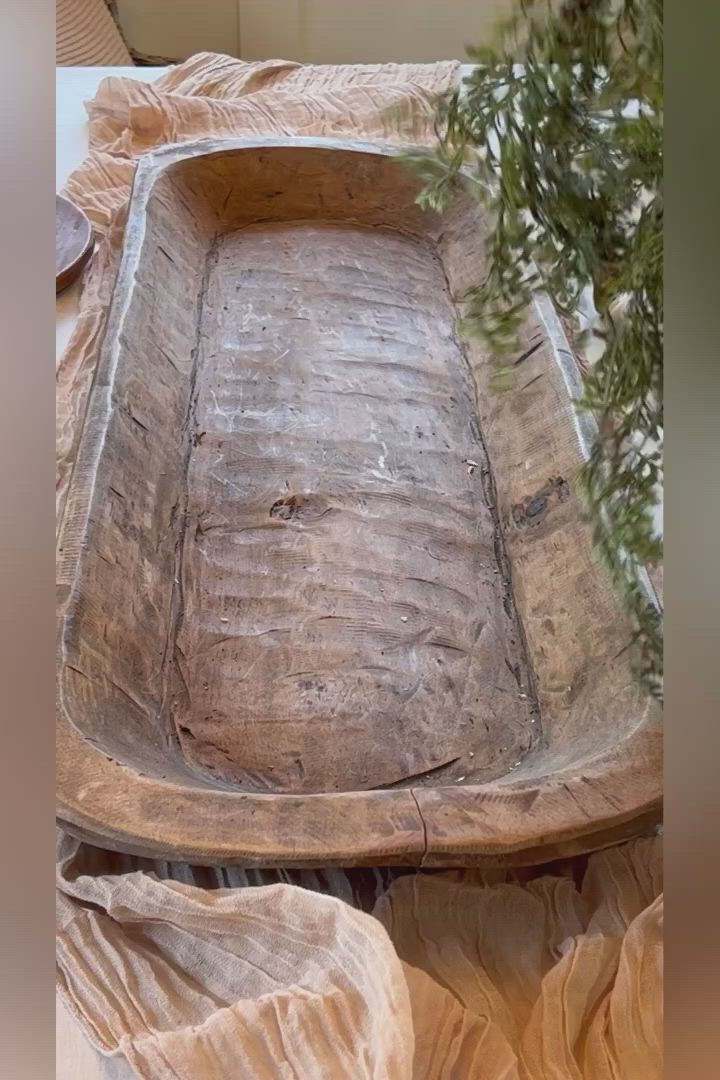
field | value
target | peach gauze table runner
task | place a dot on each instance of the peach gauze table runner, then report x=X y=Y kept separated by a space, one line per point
x=179 y=972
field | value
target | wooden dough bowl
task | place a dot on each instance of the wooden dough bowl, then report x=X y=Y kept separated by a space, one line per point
x=325 y=597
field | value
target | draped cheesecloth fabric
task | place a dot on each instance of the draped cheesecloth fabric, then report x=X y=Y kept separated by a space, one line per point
x=178 y=972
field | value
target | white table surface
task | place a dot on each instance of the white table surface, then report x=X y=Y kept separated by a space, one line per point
x=73 y=87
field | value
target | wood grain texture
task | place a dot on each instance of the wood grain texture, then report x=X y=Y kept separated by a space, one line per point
x=342 y=624
x=73 y=243
x=325 y=599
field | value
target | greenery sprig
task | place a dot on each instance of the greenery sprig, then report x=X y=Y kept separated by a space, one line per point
x=558 y=131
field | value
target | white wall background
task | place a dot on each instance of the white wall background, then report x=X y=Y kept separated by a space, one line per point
x=313 y=31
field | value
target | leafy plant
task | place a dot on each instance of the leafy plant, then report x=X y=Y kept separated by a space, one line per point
x=559 y=132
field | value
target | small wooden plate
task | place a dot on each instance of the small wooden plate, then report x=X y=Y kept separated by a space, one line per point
x=73 y=243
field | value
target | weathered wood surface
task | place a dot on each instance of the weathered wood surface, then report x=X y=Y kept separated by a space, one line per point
x=325 y=599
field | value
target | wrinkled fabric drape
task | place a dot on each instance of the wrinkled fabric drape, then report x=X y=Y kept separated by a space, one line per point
x=451 y=976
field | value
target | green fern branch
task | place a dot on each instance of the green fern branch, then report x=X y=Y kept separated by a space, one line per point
x=558 y=131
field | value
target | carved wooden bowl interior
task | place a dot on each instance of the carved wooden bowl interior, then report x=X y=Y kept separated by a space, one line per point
x=325 y=597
